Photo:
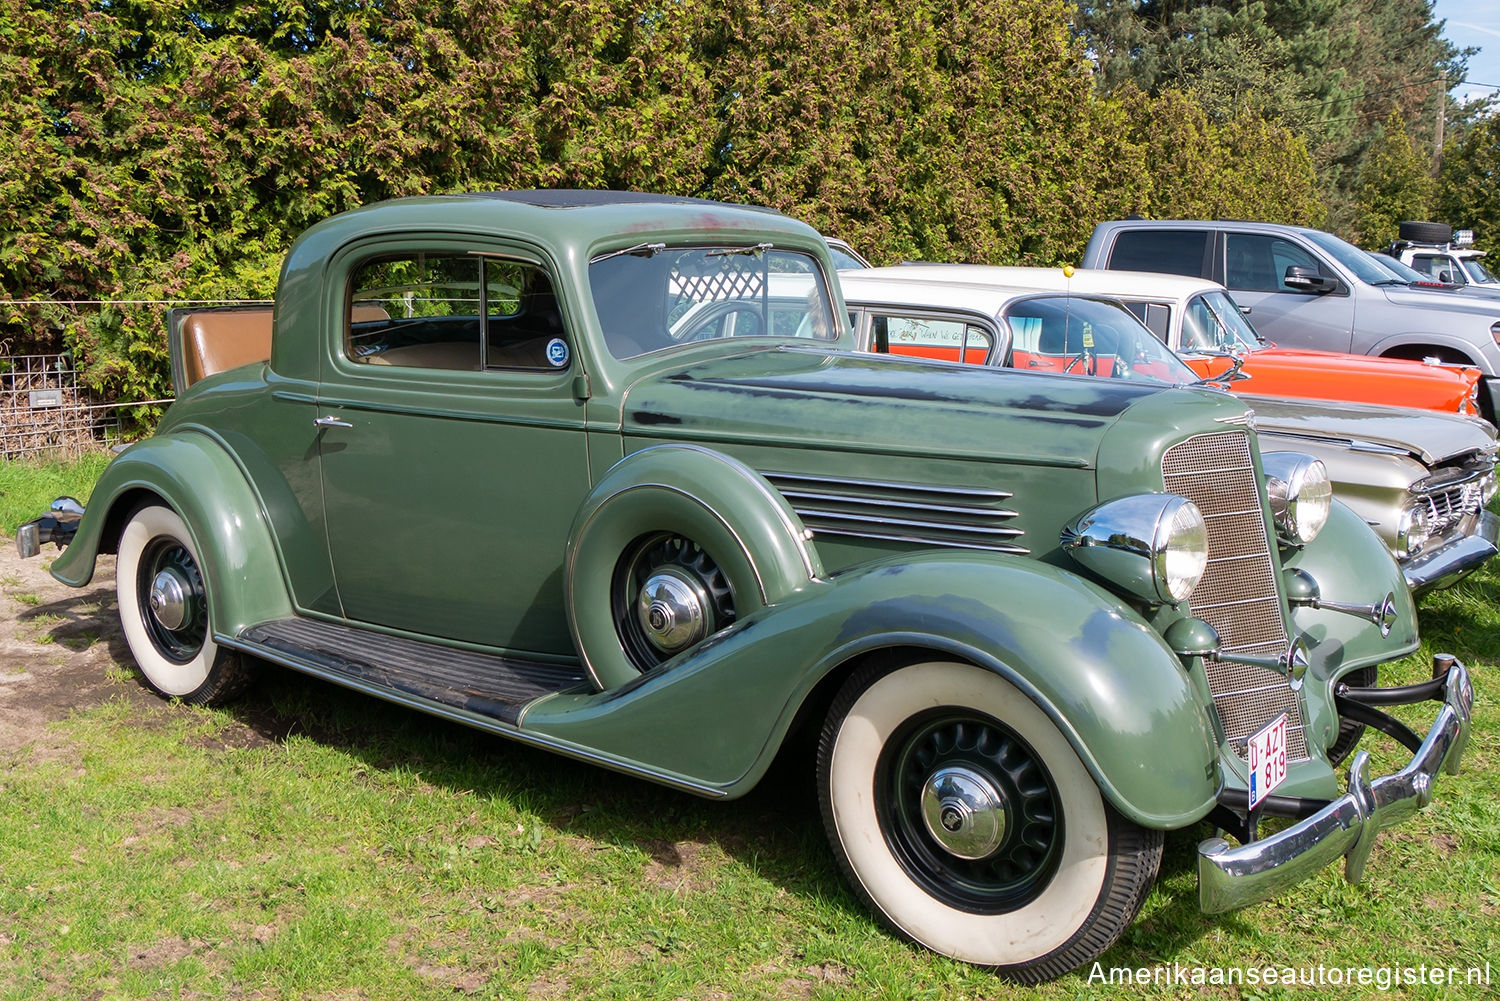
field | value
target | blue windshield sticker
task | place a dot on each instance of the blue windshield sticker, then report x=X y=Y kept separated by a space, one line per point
x=557 y=352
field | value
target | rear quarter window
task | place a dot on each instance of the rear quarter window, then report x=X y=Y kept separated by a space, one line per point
x=1171 y=251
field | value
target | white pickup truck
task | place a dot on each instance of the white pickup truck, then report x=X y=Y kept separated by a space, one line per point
x=1436 y=250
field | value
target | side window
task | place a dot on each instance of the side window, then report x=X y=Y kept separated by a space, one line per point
x=1435 y=265
x=459 y=312
x=1256 y=263
x=1174 y=251
x=523 y=323
x=926 y=337
x=1156 y=316
x=419 y=310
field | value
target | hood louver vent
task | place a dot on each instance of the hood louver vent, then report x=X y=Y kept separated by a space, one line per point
x=956 y=517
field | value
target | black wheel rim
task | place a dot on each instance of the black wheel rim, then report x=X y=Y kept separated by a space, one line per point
x=1016 y=870
x=183 y=640
x=646 y=557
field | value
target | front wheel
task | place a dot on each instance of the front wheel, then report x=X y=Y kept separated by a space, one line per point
x=961 y=815
x=164 y=612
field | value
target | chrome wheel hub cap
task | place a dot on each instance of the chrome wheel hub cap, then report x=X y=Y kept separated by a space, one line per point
x=673 y=610
x=964 y=811
x=171 y=599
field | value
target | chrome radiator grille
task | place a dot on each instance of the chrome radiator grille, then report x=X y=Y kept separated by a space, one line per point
x=1448 y=504
x=960 y=517
x=1238 y=594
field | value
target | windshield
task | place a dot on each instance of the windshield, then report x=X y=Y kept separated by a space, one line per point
x=1213 y=324
x=1477 y=271
x=844 y=257
x=1098 y=337
x=1366 y=270
x=651 y=297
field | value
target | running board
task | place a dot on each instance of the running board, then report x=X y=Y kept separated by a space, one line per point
x=485 y=685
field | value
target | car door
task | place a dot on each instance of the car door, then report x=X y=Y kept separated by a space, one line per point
x=451 y=443
x=1255 y=267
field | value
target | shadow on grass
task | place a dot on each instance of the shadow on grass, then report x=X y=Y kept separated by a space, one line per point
x=775 y=828
x=80 y=621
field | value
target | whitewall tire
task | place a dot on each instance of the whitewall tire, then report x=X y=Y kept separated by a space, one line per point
x=164 y=611
x=962 y=816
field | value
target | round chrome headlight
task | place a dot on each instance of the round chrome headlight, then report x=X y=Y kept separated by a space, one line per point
x=1300 y=493
x=1153 y=545
x=1412 y=531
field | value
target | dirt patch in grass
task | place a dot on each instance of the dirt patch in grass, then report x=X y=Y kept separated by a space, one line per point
x=62 y=651
x=165 y=953
x=679 y=866
x=55 y=652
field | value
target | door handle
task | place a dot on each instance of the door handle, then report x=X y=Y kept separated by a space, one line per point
x=330 y=422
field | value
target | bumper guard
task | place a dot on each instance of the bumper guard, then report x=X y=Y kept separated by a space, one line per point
x=1230 y=877
x=1458 y=559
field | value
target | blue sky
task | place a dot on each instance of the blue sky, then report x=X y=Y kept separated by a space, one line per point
x=1474 y=22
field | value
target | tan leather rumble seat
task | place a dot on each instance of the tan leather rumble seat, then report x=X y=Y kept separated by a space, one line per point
x=215 y=341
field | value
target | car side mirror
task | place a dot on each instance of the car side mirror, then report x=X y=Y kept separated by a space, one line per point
x=1307 y=280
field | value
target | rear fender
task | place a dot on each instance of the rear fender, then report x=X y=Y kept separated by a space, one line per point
x=192 y=474
x=713 y=718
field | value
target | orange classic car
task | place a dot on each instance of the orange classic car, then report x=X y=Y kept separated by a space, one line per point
x=1198 y=320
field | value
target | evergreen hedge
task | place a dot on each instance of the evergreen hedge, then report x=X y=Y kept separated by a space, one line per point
x=161 y=149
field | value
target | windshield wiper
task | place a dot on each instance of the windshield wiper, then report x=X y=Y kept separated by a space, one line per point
x=747 y=251
x=639 y=250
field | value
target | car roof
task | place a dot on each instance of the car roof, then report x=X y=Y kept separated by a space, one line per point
x=989 y=288
x=572 y=198
x=569 y=223
x=1241 y=224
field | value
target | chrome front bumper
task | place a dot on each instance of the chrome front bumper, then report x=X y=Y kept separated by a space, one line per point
x=1455 y=561
x=1230 y=877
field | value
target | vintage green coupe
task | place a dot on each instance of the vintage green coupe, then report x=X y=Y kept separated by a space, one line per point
x=558 y=466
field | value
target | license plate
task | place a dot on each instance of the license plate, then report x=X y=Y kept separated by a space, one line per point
x=1267 y=760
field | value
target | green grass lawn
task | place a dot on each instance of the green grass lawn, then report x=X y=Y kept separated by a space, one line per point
x=308 y=842
x=27 y=487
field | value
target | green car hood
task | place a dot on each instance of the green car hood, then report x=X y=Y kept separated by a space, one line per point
x=875 y=403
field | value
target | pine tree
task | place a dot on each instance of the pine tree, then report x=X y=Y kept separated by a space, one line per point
x=1396 y=183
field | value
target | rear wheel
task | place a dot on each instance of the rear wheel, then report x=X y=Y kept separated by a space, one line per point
x=961 y=815
x=164 y=612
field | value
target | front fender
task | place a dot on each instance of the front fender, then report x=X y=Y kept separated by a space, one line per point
x=1351 y=566
x=714 y=717
x=196 y=477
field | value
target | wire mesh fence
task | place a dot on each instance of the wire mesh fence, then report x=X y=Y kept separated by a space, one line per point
x=46 y=408
x=44 y=411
